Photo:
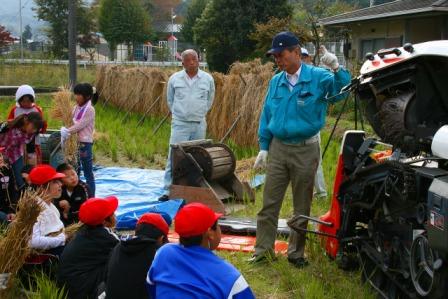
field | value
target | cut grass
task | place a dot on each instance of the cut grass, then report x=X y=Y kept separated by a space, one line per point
x=132 y=144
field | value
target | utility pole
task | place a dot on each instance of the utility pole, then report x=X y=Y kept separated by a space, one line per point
x=72 y=42
x=21 y=31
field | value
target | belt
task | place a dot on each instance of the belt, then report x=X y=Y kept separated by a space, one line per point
x=310 y=140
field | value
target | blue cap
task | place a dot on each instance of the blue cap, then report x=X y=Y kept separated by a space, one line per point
x=282 y=41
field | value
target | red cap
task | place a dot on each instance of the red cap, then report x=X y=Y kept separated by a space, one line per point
x=194 y=219
x=156 y=220
x=42 y=174
x=94 y=210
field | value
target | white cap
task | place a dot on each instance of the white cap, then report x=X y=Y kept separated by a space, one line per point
x=305 y=52
x=24 y=90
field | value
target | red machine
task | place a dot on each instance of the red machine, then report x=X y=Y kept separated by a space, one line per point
x=389 y=211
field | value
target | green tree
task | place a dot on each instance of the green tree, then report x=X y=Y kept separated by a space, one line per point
x=309 y=12
x=265 y=31
x=55 y=12
x=124 y=21
x=27 y=33
x=194 y=12
x=224 y=28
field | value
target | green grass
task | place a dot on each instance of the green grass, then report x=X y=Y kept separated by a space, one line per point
x=134 y=145
x=42 y=75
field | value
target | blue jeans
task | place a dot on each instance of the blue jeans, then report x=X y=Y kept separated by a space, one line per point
x=182 y=131
x=17 y=170
x=86 y=161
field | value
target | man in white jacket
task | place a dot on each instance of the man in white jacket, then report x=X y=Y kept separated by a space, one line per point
x=190 y=94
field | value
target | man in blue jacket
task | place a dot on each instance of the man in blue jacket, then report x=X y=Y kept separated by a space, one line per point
x=293 y=114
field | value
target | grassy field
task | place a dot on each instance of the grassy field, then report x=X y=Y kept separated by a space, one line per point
x=132 y=144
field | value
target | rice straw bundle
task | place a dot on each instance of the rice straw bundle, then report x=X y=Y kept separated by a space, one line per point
x=244 y=169
x=71 y=230
x=14 y=246
x=62 y=109
x=239 y=95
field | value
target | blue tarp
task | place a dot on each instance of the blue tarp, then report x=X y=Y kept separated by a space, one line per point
x=137 y=191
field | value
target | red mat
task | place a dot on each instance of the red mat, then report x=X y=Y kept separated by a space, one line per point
x=238 y=243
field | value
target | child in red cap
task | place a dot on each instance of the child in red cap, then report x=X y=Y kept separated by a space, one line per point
x=82 y=268
x=48 y=231
x=191 y=269
x=134 y=257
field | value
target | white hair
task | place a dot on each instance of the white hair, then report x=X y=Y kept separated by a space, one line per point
x=189 y=52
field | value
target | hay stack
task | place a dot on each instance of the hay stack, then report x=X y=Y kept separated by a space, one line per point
x=62 y=109
x=14 y=247
x=242 y=95
x=239 y=94
x=133 y=89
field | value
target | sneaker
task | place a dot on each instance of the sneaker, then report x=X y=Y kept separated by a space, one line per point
x=299 y=262
x=164 y=197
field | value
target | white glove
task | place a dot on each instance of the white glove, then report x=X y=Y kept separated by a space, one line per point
x=64 y=134
x=328 y=59
x=261 y=160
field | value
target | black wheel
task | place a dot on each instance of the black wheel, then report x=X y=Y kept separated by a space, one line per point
x=427 y=270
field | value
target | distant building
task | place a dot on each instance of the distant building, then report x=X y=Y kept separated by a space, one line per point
x=390 y=25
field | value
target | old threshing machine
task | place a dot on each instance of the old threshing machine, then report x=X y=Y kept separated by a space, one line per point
x=389 y=215
x=204 y=171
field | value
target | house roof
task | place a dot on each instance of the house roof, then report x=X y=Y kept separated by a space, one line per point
x=391 y=9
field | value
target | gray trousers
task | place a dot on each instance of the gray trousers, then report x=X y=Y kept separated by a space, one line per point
x=295 y=163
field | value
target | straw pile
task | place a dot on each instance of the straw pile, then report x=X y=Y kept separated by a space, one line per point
x=14 y=246
x=133 y=89
x=244 y=169
x=239 y=95
x=62 y=109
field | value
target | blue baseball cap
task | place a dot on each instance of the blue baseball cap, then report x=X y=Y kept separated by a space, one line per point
x=282 y=41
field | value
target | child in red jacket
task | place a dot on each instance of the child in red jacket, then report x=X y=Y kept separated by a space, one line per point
x=25 y=104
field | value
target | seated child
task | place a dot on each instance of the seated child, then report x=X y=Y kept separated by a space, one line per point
x=48 y=231
x=8 y=194
x=74 y=193
x=134 y=257
x=191 y=269
x=83 y=264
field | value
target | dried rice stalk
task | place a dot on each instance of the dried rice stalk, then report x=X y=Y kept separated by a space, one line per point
x=71 y=230
x=63 y=109
x=14 y=246
x=239 y=94
x=244 y=169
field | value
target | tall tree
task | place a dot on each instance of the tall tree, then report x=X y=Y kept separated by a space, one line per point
x=123 y=21
x=265 y=31
x=27 y=34
x=194 y=12
x=224 y=28
x=55 y=12
x=307 y=15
